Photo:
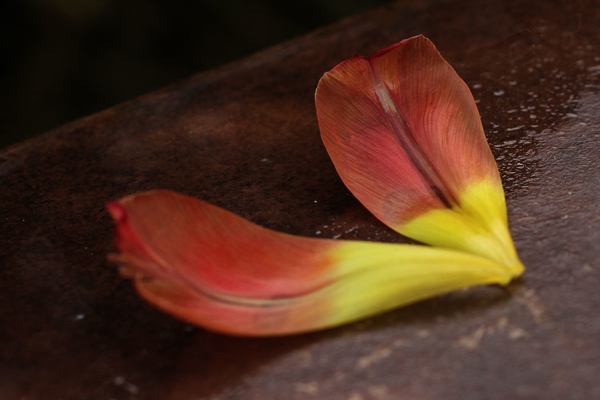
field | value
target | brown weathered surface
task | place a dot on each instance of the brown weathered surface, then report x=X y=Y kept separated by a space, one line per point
x=245 y=137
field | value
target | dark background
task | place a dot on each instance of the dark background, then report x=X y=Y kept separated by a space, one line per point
x=64 y=59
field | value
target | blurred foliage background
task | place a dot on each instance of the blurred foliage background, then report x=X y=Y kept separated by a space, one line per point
x=65 y=59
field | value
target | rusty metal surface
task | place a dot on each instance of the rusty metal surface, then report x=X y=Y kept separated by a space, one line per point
x=245 y=137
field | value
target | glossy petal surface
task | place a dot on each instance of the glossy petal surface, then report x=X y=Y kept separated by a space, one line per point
x=217 y=270
x=403 y=132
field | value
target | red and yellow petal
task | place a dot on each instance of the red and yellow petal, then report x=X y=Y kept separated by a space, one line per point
x=403 y=132
x=163 y=232
x=214 y=269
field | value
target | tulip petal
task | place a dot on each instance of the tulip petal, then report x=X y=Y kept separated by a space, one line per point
x=217 y=270
x=404 y=134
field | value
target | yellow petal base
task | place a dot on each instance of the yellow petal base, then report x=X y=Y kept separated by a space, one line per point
x=479 y=226
x=377 y=277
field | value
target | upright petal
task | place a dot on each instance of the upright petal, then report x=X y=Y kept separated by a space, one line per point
x=405 y=136
x=214 y=269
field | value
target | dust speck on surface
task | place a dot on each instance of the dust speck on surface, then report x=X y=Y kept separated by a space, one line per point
x=355 y=396
x=379 y=392
x=471 y=342
x=373 y=357
x=119 y=380
x=308 y=387
x=516 y=333
x=131 y=388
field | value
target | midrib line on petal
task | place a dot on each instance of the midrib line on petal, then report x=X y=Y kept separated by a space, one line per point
x=253 y=302
x=408 y=142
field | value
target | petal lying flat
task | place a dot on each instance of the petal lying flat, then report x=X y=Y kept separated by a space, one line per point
x=403 y=132
x=217 y=270
x=164 y=234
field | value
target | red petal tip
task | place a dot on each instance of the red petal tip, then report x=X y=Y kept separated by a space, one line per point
x=381 y=52
x=116 y=210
